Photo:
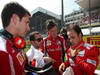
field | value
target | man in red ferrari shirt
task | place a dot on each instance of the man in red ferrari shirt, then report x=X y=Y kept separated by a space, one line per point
x=52 y=45
x=15 y=19
x=81 y=57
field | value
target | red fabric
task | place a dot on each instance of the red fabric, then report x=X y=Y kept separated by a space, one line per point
x=33 y=63
x=17 y=58
x=84 y=53
x=4 y=64
x=54 y=49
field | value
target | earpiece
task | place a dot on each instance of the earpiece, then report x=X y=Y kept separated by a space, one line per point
x=19 y=42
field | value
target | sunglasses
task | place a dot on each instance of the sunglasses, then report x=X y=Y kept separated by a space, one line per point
x=39 y=39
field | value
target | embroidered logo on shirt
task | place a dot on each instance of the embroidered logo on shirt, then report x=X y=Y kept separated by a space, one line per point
x=58 y=42
x=81 y=53
x=20 y=58
x=48 y=42
x=93 y=62
x=88 y=46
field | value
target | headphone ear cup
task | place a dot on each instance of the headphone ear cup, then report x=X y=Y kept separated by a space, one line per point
x=19 y=42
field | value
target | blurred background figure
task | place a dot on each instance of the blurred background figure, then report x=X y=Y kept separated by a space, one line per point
x=63 y=33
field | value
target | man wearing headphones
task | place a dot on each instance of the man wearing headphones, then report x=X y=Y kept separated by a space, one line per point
x=15 y=19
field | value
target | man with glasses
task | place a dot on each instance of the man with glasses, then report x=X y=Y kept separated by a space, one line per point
x=35 y=56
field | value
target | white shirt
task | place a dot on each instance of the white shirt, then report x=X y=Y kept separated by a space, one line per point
x=36 y=54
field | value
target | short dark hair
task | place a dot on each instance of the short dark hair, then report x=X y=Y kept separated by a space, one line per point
x=63 y=32
x=32 y=35
x=74 y=27
x=50 y=25
x=10 y=9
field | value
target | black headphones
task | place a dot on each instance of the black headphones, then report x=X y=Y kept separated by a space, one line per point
x=18 y=42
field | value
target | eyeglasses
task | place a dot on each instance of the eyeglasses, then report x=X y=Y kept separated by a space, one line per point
x=39 y=39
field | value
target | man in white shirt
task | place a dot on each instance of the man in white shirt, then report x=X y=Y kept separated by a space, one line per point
x=35 y=56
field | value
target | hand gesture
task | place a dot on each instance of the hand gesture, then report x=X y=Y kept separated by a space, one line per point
x=62 y=67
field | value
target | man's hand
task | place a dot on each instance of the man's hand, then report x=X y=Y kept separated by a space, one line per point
x=62 y=67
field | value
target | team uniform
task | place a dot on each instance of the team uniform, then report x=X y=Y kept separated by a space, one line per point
x=11 y=61
x=53 y=48
x=86 y=60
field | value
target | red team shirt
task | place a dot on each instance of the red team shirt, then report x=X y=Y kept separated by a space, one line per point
x=11 y=61
x=86 y=59
x=54 y=49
